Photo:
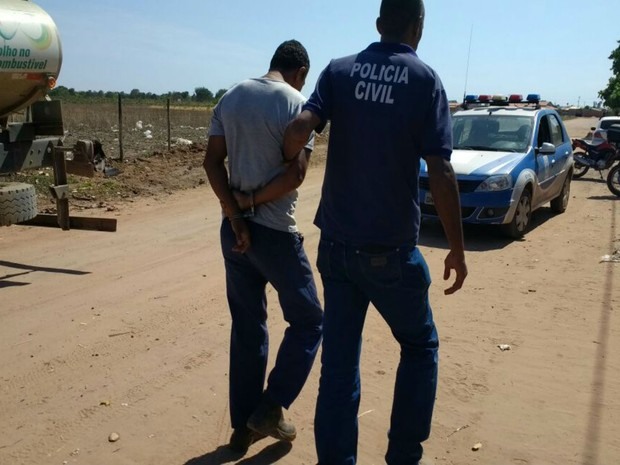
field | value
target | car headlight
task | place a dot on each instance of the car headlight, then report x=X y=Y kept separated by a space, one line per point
x=495 y=183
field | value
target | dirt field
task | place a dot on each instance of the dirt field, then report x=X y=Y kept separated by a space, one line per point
x=127 y=333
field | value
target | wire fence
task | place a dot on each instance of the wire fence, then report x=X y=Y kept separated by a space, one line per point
x=129 y=130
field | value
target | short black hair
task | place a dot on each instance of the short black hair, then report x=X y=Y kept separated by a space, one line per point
x=397 y=15
x=289 y=56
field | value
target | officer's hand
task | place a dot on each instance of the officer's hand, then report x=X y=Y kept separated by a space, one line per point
x=455 y=261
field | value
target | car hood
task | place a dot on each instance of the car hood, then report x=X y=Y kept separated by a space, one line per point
x=482 y=163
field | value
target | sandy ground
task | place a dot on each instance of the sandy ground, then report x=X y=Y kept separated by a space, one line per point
x=127 y=333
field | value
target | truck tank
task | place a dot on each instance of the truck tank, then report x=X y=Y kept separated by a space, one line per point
x=30 y=55
x=30 y=60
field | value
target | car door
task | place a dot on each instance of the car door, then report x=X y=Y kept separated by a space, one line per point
x=544 y=172
x=563 y=149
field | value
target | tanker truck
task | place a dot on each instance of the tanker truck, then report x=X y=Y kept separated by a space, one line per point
x=30 y=62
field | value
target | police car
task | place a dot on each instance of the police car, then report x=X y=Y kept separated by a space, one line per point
x=510 y=157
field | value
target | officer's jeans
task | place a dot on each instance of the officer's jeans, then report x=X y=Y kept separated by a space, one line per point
x=396 y=282
x=278 y=258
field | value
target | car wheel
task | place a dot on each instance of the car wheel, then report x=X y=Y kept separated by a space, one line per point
x=613 y=180
x=18 y=202
x=520 y=222
x=579 y=170
x=559 y=204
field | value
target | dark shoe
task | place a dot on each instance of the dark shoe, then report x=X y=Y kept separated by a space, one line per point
x=242 y=438
x=267 y=419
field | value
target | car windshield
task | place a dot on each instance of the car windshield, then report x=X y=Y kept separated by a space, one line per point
x=499 y=133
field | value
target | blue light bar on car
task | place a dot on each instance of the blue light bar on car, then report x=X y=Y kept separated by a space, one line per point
x=533 y=98
x=472 y=100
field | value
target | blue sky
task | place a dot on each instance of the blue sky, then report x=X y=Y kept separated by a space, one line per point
x=558 y=48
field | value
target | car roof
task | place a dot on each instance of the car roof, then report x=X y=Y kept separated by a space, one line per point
x=606 y=119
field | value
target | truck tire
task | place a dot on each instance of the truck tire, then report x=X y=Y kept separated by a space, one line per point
x=18 y=202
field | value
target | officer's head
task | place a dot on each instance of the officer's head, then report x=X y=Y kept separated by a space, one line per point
x=291 y=60
x=401 y=21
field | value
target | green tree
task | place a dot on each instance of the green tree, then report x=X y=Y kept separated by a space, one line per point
x=60 y=92
x=135 y=93
x=219 y=94
x=611 y=94
x=202 y=94
x=179 y=96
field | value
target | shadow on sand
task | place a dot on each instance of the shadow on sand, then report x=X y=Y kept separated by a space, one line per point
x=478 y=237
x=27 y=269
x=266 y=456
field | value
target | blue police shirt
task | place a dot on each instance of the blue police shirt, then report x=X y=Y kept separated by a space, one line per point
x=387 y=109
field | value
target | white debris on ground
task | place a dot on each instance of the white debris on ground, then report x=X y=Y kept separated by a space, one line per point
x=182 y=142
x=504 y=347
x=193 y=128
x=148 y=134
x=613 y=258
x=140 y=126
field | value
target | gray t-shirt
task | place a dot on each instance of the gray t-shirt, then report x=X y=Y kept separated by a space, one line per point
x=252 y=116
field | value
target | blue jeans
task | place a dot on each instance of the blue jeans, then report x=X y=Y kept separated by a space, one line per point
x=396 y=281
x=278 y=258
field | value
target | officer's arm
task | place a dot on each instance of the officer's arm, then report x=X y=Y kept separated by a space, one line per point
x=444 y=190
x=287 y=181
x=298 y=133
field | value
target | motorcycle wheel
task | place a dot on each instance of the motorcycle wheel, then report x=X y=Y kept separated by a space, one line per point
x=579 y=170
x=613 y=180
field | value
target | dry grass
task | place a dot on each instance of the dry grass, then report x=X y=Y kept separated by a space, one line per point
x=148 y=168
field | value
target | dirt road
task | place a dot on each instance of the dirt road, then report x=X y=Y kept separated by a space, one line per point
x=127 y=333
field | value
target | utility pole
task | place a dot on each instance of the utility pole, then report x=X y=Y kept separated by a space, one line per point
x=471 y=34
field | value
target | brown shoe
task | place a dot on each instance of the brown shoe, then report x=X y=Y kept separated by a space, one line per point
x=267 y=419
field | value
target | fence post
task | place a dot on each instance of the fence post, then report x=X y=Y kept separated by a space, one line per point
x=168 y=115
x=120 y=126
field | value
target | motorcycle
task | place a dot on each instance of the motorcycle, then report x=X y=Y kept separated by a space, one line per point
x=613 y=180
x=599 y=157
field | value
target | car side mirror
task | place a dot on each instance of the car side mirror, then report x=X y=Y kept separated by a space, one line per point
x=547 y=148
